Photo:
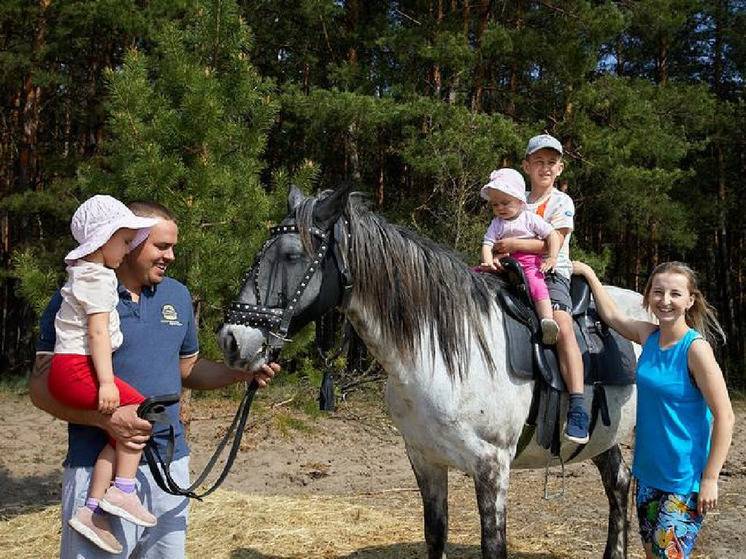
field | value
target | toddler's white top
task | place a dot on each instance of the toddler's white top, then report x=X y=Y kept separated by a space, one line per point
x=525 y=225
x=90 y=288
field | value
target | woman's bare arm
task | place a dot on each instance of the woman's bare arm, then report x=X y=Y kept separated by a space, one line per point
x=632 y=329
x=710 y=381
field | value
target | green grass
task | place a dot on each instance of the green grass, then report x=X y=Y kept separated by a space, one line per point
x=285 y=423
x=13 y=385
x=290 y=401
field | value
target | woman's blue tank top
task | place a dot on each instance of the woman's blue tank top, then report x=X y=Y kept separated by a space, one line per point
x=672 y=437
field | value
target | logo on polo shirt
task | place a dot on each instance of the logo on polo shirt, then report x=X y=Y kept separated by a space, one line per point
x=170 y=316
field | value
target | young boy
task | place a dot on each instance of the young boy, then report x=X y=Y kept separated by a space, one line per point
x=543 y=164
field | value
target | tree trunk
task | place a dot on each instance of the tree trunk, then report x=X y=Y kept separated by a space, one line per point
x=662 y=62
x=32 y=98
x=724 y=261
x=353 y=15
x=484 y=18
x=740 y=300
x=510 y=109
x=724 y=256
x=436 y=71
x=379 y=186
x=638 y=260
x=653 y=248
x=352 y=151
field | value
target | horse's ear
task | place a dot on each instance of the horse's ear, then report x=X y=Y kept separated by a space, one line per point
x=295 y=196
x=329 y=208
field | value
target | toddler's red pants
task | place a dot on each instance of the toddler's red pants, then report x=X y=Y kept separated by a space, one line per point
x=73 y=382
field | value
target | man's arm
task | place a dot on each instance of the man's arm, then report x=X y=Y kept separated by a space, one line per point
x=123 y=424
x=202 y=374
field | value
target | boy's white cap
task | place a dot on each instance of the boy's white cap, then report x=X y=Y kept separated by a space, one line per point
x=543 y=141
x=97 y=219
x=508 y=181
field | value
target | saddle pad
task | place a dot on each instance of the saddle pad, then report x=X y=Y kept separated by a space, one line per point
x=608 y=358
x=524 y=353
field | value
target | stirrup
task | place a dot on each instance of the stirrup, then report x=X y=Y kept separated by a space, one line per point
x=551 y=496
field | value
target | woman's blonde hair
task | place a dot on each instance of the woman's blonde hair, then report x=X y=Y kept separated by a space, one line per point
x=701 y=315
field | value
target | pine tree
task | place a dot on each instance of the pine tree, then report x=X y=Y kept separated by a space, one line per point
x=188 y=125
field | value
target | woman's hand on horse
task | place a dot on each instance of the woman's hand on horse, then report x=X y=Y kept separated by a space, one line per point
x=127 y=427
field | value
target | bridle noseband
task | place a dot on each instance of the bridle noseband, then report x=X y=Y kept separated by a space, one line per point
x=276 y=320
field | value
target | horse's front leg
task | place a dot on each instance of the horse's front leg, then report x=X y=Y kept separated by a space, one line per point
x=432 y=480
x=491 y=482
x=616 y=477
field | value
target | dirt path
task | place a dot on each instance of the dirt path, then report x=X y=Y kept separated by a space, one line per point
x=357 y=454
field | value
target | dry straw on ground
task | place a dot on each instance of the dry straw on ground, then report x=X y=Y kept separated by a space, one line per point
x=233 y=525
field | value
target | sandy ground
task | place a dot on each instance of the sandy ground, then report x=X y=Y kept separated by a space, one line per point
x=357 y=455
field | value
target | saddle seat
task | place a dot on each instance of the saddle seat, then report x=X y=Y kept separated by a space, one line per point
x=608 y=358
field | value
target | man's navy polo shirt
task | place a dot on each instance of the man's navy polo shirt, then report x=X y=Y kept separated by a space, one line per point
x=158 y=330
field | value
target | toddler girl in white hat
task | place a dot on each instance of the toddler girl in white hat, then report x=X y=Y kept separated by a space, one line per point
x=81 y=374
x=506 y=193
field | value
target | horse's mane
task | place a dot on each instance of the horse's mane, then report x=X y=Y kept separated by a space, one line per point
x=415 y=286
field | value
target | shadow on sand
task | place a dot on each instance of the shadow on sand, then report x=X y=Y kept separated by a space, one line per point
x=23 y=495
x=401 y=551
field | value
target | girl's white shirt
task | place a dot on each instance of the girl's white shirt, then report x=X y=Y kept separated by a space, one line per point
x=90 y=288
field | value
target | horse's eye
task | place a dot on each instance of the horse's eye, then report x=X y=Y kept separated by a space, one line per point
x=293 y=256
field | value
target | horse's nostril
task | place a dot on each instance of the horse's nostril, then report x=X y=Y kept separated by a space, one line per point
x=229 y=343
x=232 y=344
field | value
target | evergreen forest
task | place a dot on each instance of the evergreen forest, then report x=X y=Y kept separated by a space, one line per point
x=214 y=107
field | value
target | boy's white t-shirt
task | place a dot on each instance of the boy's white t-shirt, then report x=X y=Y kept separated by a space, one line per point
x=559 y=211
x=90 y=288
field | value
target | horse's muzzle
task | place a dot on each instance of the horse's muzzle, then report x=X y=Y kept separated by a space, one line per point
x=242 y=346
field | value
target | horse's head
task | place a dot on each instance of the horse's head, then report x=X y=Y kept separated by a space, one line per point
x=300 y=273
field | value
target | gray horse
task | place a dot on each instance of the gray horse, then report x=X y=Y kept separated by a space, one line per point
x=435 y=328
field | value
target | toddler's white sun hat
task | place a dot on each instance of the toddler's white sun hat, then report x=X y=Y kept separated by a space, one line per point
x=141 y=235
x=508 y=181
x=97 y=219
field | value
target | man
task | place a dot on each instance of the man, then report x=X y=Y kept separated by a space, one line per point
x=159 y=355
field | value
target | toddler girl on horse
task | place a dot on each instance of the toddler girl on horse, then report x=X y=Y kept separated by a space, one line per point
x=506 y=193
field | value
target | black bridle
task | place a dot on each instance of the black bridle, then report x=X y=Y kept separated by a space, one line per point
x=276 y=320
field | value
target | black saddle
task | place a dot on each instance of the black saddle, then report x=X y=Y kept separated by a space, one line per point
x=608 y=358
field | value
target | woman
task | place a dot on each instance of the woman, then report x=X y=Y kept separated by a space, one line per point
x=684 y=414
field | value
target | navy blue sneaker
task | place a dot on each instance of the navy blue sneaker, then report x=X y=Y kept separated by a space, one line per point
x=576 y=429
